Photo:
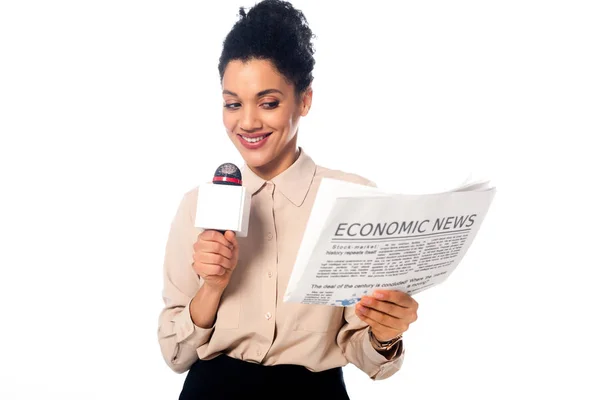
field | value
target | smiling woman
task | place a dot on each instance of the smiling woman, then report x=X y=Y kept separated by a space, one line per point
x=261 y=114
x=224 y=314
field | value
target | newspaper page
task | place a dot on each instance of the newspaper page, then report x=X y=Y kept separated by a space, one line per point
x=359 y=239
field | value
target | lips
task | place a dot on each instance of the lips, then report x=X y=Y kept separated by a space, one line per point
x=254 y=136
x=255 y=140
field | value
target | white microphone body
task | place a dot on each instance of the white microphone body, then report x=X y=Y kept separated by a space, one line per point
x=223 y=208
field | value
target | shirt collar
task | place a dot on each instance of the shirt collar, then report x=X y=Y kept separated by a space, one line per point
x=293 y=183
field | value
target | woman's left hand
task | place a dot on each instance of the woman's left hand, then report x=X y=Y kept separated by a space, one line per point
x=388 y=312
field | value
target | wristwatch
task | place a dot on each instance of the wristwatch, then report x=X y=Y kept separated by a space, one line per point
x=386 y=345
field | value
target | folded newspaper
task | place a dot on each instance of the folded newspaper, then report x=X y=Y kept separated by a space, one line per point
x=359 y=239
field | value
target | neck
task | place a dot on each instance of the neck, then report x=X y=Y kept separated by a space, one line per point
x=283 y=161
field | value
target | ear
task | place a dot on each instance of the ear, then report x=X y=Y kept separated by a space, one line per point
x=306 y=101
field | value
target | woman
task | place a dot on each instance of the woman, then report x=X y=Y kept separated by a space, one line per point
x=224 y=319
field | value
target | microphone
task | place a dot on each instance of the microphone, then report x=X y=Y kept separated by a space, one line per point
x=228 y=174
x=224 y=203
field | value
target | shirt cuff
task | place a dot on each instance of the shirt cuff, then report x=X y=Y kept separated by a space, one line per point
x=387 y=367
x=378 y=358
x=186 y=331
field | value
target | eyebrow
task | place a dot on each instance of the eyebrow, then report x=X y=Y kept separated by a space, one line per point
x=259 y=94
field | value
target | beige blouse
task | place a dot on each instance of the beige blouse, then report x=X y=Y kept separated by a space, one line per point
x=253 y=323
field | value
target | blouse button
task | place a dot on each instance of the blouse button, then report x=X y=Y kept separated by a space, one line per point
x=268 y=315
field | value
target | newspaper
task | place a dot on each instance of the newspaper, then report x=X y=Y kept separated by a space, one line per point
x=359 y=239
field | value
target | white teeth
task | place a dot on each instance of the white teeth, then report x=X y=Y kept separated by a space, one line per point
x=254 y=140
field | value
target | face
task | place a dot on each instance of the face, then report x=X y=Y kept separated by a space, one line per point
x=261 y=114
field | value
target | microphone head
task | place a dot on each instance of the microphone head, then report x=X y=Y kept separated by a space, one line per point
x=228 y=174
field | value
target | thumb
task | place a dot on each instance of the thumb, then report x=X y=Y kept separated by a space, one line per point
x=230 y=236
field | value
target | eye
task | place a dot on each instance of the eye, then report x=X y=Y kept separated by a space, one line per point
x=232 y=106
x=271 y=105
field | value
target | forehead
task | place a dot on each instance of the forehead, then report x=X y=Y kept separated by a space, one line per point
x=253 y=76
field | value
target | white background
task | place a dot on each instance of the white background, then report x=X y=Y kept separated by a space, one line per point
x=110 y=111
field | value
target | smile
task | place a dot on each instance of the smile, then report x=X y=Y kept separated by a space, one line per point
x=254 y=142
x=254 y=139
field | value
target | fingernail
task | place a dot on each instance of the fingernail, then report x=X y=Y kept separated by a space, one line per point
x=360 y=309
x=366 y=300
x=378 y=295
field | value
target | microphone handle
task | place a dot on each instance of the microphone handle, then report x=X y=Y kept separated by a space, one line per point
x=229 y=183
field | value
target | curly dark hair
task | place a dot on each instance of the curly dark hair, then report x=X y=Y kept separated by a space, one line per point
x=273 y=30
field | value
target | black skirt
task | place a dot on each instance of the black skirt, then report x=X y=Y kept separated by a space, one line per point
x=224 y=378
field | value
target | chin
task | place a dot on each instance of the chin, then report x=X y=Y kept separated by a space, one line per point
x=255 y=158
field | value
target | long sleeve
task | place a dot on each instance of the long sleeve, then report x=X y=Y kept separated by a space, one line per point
x=178 y=336
x=353 y=339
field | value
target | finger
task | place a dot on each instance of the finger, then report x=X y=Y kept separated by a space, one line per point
x=235 y=250
x=214 y=236
x=383 y=319
x=215 y=248
x=385 y=307
x=395 y=296
x=206 y=270
x=201 y=274
x=216 y=259
x=381 y=331
x=230 y=236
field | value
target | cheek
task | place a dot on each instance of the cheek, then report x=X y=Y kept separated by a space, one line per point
x=280 y=121
x=229 y=121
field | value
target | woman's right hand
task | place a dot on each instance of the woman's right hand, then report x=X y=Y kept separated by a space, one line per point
x=215 y=258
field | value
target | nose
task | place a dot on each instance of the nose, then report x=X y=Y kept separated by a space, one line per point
x=249 y=120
